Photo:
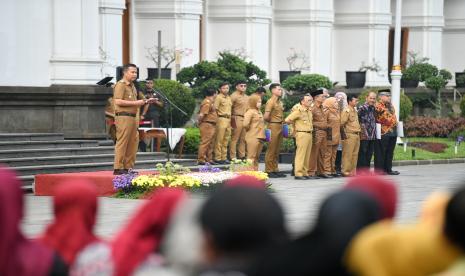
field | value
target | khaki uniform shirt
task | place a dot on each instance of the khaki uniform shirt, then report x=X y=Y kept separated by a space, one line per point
x=334 y=122
x=254 y=124
x=276 y=109
x=223 y=105
x=239 y=103
x=208 y=111
x=126 y=91
x=110 y=108
x=302 y=118
x=349 y=120
x=320 y=119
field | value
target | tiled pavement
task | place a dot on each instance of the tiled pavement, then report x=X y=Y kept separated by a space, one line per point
x=300 y=199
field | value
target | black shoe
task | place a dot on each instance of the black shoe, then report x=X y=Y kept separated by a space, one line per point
x=335 y=175
x=300 y=178
x=393 y=173
x=118 y=172
x=280 y=174
x=227 y=162
x=308 y=177
x=324 y=176
x=217 y=162
x=273 y=175
x=313 y=177
x=201 y=163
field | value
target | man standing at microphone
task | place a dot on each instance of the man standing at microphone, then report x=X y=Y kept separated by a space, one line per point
x=127 y=105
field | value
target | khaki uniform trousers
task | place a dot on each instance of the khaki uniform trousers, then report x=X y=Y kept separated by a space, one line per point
x=350 y=147
x=238 y=136
x=302 y=154
x=207 y=133
x=316 y=164
x=110 y=129
x=274 y=147
x=223 y=132
x=254 y=148
x=330 y=159
x=127 y=142
x=211 y=148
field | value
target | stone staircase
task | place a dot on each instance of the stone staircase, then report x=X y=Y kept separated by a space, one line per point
x=45 y=153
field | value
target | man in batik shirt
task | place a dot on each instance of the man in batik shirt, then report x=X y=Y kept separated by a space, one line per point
x=384 y=148
x=366 y=117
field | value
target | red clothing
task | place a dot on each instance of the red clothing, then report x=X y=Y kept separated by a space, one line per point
x=18 y=255
x=75 y=207
x=144 y=231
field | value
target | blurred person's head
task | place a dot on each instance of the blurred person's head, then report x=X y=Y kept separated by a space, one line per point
x=454 y=225
x=75 y=209
x=255 y=102
x=209 y=92
x=18 y=255
x=276 y=89
x=318 y=96
x=306 y=100
x=380 y=188
x=241 y=86
x=240 y=221
x=352 y=100
x=260 y=91
x=371 y=98
x=433 y=209
x=145 y=230
x=223 y=88
x=325 y=92
x=341 y=98
x=384 y=95
x=149 y=84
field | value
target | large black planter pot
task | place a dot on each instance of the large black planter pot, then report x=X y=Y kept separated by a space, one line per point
x=409 y=83
x=286 y=158
x=152 y=73
x=283 y=75
x=459 y=84
x=355 y=79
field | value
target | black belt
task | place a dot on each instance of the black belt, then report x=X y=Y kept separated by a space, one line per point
x=126 y=114
x=238 y=115
x=109 y=116
x=352 y=132
x=276 y=122
x=211 y=123
x=304 y=131
x=224 y=116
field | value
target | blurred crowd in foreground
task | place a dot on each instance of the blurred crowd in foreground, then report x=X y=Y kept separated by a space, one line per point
x=238 y=230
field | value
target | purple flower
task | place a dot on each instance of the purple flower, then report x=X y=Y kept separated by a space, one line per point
x=124 y=181
x=208 y=168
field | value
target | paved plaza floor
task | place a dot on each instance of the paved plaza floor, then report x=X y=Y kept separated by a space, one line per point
x=300 y=199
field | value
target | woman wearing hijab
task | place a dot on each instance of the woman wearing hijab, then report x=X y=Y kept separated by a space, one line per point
x=18 y=255
x=239 y=223
x=334 y=122
x=255 y=130
x=75 y=208
x=341 y=98
x=423 y=248
x=135 y=249
x=320 y=252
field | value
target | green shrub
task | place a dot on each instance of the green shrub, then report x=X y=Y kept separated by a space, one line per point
x=289 y=102
x=425 y=71
x=410 y=73
x=191 y=141
x=228 y=67
x=181 y=96
x=432 y=127
x=306 y=83
x=462 y=106
x=445 y=74
x=424 y=100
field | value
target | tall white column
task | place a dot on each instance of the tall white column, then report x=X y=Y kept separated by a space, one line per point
x=361 y=34
x=242 y=25
x=396 y=73
x=454 y=36
x=75 y=52
x=305 y=26
x=179 y=21
x=425 y=20
x=111 y=35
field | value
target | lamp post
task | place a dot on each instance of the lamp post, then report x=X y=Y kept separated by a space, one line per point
x=396 y=73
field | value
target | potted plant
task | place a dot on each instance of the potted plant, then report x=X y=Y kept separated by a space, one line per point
x=410 y=77
x=297 y=62
x=356 y=79
x=306 y=83
x=437 y=82
x=460 y=79
x=168 y=56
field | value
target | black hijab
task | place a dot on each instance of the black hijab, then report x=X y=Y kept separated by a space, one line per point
x=320 y=252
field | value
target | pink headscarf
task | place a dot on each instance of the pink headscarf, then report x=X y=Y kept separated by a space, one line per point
x=18 y=255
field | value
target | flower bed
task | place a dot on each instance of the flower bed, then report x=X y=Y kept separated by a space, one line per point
x=133 y=185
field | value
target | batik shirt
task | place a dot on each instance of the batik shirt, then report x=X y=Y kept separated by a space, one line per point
x=386 y=116
x=366 y=117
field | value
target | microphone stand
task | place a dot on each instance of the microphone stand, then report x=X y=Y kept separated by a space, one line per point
x=169 y=127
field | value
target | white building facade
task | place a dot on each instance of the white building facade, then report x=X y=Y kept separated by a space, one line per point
x=77 y=42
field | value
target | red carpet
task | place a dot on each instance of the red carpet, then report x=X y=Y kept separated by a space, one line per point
x=103 y=180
